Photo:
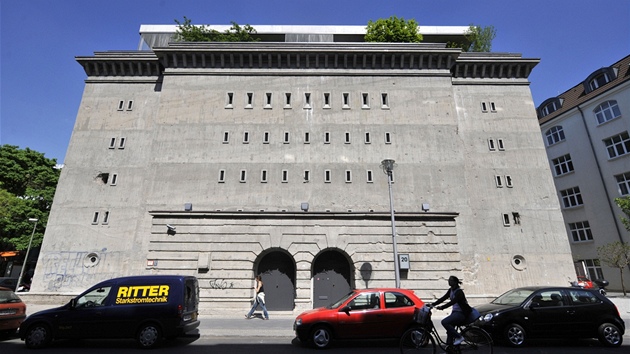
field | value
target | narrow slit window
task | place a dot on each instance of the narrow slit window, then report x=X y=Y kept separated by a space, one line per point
x=491 y=144
x=500 y=144
x=285 y=176
x=348 y=176
x=229 y=100
x=493 y=107
x=307 y=176
x=508 y=181
x=327 y=176
x=112 y=143
x=484 y=107
x=268 y=97
x=367 y=138
x=246 y=138
x=365 y=100
x=346 y=100
x=499 y=181
x=286 y=137
x=517 y=218
x=307 y=100
x=243 y=176
x=221 y=176
x=369 y=176
x=122 y=143
x=114 y=180
x=287 y=100
x=266 y=138
x=106 y=218
x=95 y=218
x=326 y=99
x=393 y=177
x=121 y=105
x=307 y=138
x=226 y=137
x=506 y=220
x=388 y=138
x=250 y=100
x=263 y=176
x=347 y=138
x=384 y=101
x=130 y=105
x=327 y=138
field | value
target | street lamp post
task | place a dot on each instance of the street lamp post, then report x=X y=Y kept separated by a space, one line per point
x=27 y=252
x=388 y=168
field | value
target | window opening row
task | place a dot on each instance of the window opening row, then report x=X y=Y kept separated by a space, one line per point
x=125 y=106
x=96 y=218
x=496 y=144
x=516 y=218
x=488 y=107
x=307 y=100
x=305 y=177
x=117 y=143
x=286 y=138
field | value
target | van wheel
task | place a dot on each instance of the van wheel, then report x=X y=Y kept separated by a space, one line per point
x=609 y=335
x=38 y=336
x=149 y=335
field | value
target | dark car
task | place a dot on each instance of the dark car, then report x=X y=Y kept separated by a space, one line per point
x=147 y=308
x=552 y=313
x=361 y=314
x=12 y=311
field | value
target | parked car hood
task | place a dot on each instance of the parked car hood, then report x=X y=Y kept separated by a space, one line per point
x=49 y=311
x=487 y=308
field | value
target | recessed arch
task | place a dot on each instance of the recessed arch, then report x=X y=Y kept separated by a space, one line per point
x=333 y=276
x=277 y=268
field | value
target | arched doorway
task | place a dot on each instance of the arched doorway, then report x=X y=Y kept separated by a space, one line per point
x=332 y=277
x=277 y=269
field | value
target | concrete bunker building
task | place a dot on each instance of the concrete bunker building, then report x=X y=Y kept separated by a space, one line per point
x=226 y=160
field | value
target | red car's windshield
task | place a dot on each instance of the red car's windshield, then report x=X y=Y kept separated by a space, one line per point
x=340 y=301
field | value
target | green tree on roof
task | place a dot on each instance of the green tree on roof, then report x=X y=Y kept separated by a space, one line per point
x=393 y=30
x=187 y=32
x=477 y=39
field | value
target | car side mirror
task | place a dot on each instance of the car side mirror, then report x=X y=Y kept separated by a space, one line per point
x=534 y=305
x=73 y=303
x=346 y=309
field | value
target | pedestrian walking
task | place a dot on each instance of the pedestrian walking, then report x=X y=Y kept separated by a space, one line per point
x=259 y=299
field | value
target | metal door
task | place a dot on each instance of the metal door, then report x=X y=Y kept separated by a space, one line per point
x=278 y=275
x=331 y=278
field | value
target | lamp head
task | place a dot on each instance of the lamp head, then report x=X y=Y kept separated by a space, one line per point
x=32 y=220
x=388 y=165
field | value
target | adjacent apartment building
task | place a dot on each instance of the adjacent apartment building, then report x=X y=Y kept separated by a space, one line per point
x=227 y=160
x=586 y=136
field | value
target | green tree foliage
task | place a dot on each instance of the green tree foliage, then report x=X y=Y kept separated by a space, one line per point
x=624 y=204
x=478 y=39
x=27 y=186
x=187 y=32
x=617 y=254
x=393 y=30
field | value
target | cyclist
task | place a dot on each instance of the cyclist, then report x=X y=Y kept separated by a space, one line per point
x=462 y=314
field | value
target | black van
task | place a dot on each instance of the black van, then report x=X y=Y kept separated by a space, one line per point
x=147 y=308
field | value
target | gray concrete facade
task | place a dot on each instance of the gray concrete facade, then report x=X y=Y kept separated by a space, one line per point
x=226 y=141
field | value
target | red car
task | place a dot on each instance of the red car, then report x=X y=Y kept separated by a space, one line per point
x=367 y=313
x=12 y=311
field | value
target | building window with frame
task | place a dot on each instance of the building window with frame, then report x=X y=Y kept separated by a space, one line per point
x=286 y=137
x=250 y=100
x=562 y=165
x=268 y=100
x=287 y=100
x=112 y=143
x=105 y=218
x=263 y=176
x=348 y=176
x=365 y=100
x=484 y=107
x=500 y=144
x=243 y=176
x=121 y=105
x=618 y=145
x=226 y=137
x=327 y=138
x=221 y=176
x=606 y=111
x=326 y=100
x=623 y=182
x=508 y=181
x=498 y=181
x=285 y=176
x=369 y=176
x=307 y=176
x=266 y=138
x=493 y=107
x=347 y=138
x=367 y=138
x=122 y=143
x=345 y=97
x=599 y=81
x=571 y=197
x=327 y=176
x=95 y=218
x=554 y=135
x=229 y=100
x=581 y=231
x=593 y=268
x=307 y=100
x=307 y=138
x=384 y=101
x=245 y=137
x=491 y=145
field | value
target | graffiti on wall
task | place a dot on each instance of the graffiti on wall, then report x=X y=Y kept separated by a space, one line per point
x=221 y=284
x=75 y=270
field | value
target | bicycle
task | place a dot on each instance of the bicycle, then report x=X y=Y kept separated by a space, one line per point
x=424 y=337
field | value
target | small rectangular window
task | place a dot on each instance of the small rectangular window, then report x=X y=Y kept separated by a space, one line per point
x=121 y=105
x=130 y=105
x=307 y=138
x=263 y=176
x=388 y=138
x=327 y=138
x=367 y=138
x=491 y=144
x=122 y=142
x=246 y=138
x=327 y=176
x=345 y=97
x=384 y=101
x=221 y=176
x=493 y=108
x=112 y=143
x=348 y=176
x=307 y=100
x=393 y=177
x=517 y=218
x=326 y=100
x=307 y=176
x=484 y=107
x=369 y=176
x=500 y=144
x=506 y=220
x=268 y=97
x=243 y=176
x=287 y=100
x=95 y=218
x=498 y=181
x=106 y=218
x=229 y=100
x=113 y=180
x=508 y=181
x=347 y=138
x=285 y=176
x=365 y=100
x=250 y=100
x=266 y=138
x=286 y=137
x=226 y=137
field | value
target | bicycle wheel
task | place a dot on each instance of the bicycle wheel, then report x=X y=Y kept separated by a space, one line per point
x=417 y=340
x=477 y=340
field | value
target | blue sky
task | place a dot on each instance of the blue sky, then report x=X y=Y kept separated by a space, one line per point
x=41 y=84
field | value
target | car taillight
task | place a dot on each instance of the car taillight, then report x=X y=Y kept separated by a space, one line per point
x=180 y=309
